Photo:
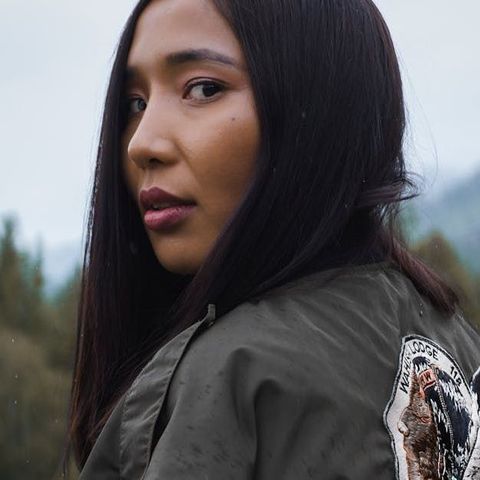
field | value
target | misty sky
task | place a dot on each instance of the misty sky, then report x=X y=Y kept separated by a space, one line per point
x=55 y=57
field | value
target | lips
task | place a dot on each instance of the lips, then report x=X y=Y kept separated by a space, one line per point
x=162 y=210
x=157 y=199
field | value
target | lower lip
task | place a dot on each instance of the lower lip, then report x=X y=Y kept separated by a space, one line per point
x=167 y=217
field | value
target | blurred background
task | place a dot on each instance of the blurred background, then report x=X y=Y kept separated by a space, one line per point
x=55 y=57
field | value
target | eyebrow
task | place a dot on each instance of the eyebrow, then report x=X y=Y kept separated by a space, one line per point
x=182 y=57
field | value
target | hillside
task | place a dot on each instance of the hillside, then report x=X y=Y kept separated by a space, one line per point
x=456 y=214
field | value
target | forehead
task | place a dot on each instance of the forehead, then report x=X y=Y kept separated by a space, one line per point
x=166 y=26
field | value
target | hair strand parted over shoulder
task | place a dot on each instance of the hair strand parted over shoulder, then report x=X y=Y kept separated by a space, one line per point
x=329 y=179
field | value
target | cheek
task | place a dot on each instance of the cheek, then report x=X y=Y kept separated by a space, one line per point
x=229 y=160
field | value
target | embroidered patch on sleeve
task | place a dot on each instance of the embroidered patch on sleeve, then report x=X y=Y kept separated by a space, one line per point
x=433 y=416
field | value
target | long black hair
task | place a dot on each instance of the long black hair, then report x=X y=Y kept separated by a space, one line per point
x=329 y=179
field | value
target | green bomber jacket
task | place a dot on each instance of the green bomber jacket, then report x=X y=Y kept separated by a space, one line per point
x=342 y=374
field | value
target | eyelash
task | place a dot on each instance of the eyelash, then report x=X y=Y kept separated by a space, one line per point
x=220 y=86
x=189 y=88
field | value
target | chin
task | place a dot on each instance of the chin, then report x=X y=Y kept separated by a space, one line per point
x=178 y=266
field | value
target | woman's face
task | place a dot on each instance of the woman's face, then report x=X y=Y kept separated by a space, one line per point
x=192 y=129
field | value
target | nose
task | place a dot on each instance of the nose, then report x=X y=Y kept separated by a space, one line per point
x=151 y=142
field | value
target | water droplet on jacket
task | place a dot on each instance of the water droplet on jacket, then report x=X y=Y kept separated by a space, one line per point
x=421 y=313
x=13 y=340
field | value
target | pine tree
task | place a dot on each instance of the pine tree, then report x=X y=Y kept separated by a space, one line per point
x=11 y=281
x=36 y=341
x=438 y=253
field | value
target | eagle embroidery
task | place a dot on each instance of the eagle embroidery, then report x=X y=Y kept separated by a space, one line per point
x=433 y=416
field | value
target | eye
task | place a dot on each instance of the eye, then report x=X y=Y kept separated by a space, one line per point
x=204 y=90
x=135 y=105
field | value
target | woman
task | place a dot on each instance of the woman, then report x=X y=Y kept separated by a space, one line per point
x=247 y=309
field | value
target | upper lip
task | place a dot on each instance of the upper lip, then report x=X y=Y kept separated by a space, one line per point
x=156 y=195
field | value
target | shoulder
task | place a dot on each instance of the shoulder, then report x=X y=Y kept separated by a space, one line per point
x=341 y=324
x=309 y=348
x=319 y=328
x=238 y=353
x=305 y=311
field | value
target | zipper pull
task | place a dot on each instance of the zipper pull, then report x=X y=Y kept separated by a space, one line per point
x=210 y=317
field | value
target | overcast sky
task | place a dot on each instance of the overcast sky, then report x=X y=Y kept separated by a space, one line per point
x=55 y=58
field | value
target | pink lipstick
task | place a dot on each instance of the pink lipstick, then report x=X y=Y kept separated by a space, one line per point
x=162 y=209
